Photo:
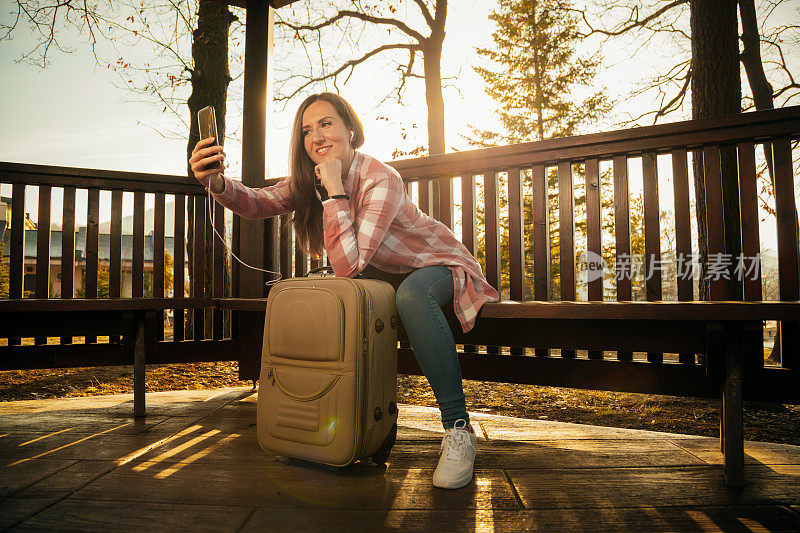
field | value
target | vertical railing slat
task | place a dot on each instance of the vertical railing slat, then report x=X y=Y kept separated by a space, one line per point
x=68 y=249
x=115 y=251
x=516 y=246
x=235 y=272
x=652 y=236
x=16 y=275
x=593 y=236
x=683 y=233
x=751 y=243
x=198 y=267
x=541 y=242
x=424 y=193
x=468 y=224
x=788 y=273
x=492 y=235
x=218 y=290
x=137 y=266
x=566 y=237
x=683 y=229
x=446 y=201
x=750 y=263
x=286 y=238
x=159 y=212
x=468 y=220
x=622 y=232
x=715 y=222
x=43 y=248
x=178 y=265
x=272 y=250
x=115 y=246
x=92 y=245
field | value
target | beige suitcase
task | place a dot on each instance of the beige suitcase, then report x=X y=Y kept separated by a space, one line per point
x=328 y=385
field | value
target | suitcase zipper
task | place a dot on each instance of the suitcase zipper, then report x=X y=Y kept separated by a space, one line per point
x=273 y=376
x=365 y=352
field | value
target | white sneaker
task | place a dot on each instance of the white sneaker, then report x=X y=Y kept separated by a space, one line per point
x=459 y=447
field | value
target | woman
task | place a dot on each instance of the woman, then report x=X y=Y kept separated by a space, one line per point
x=369 y=225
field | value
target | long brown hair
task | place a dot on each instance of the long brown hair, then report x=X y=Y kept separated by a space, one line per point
x=307 y=217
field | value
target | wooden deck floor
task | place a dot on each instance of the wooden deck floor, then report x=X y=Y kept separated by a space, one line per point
x=195 y=464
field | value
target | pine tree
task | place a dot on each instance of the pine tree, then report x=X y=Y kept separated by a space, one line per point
x=536 y=74
x=535 y=47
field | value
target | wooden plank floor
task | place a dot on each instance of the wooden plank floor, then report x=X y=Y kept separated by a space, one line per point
x=195 y=464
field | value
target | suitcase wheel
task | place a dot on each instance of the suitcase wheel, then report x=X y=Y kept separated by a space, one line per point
x=380 y=457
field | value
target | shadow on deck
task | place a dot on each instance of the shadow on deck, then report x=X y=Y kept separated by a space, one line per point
x=194 y=463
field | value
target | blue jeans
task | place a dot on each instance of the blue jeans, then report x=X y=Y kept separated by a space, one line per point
x=420 y=298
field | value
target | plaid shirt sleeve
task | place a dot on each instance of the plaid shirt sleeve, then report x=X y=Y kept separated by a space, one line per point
x=255 y=203
x=352 y=241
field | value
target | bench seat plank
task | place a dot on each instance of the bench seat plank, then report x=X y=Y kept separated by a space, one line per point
x=657 y=310
x=27 y=305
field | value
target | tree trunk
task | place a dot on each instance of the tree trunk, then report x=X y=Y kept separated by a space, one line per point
x=754 y=68
x=751 y=57
x=716 y=92
x=433 y=95
x=432 y=56
x=762 y=98
x=210 y=79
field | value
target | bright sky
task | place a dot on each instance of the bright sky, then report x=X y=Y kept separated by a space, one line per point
x=70 y=114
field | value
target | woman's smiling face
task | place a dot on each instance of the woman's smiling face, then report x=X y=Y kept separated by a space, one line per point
x=323 y=131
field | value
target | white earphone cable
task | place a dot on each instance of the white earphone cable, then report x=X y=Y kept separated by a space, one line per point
x=213 y=227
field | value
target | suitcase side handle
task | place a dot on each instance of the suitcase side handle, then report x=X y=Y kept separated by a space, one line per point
x=318 y=271
x=297 y=397
x=325 y=270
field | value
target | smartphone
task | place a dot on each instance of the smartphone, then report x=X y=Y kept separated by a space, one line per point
x=207 y=121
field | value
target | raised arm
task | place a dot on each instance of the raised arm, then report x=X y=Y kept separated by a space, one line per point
x=254 y=203
x=245 y=201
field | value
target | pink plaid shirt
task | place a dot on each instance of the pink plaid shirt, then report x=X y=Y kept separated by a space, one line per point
x=380 y=225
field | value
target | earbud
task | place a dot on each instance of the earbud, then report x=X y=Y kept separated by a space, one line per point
x=352 y=134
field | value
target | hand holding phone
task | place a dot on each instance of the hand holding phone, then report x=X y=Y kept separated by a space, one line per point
x=207 y=158
x=207 y=120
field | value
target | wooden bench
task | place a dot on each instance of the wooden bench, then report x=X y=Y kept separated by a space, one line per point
x=718 y=344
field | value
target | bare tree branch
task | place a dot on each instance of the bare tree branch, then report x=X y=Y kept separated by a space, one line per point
x=357 y=15
x=408 y=73
x=662 y=84
x=122 y=24
x=676 y=102
x=425 y=13
x=348 y=64
x=633 y=21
